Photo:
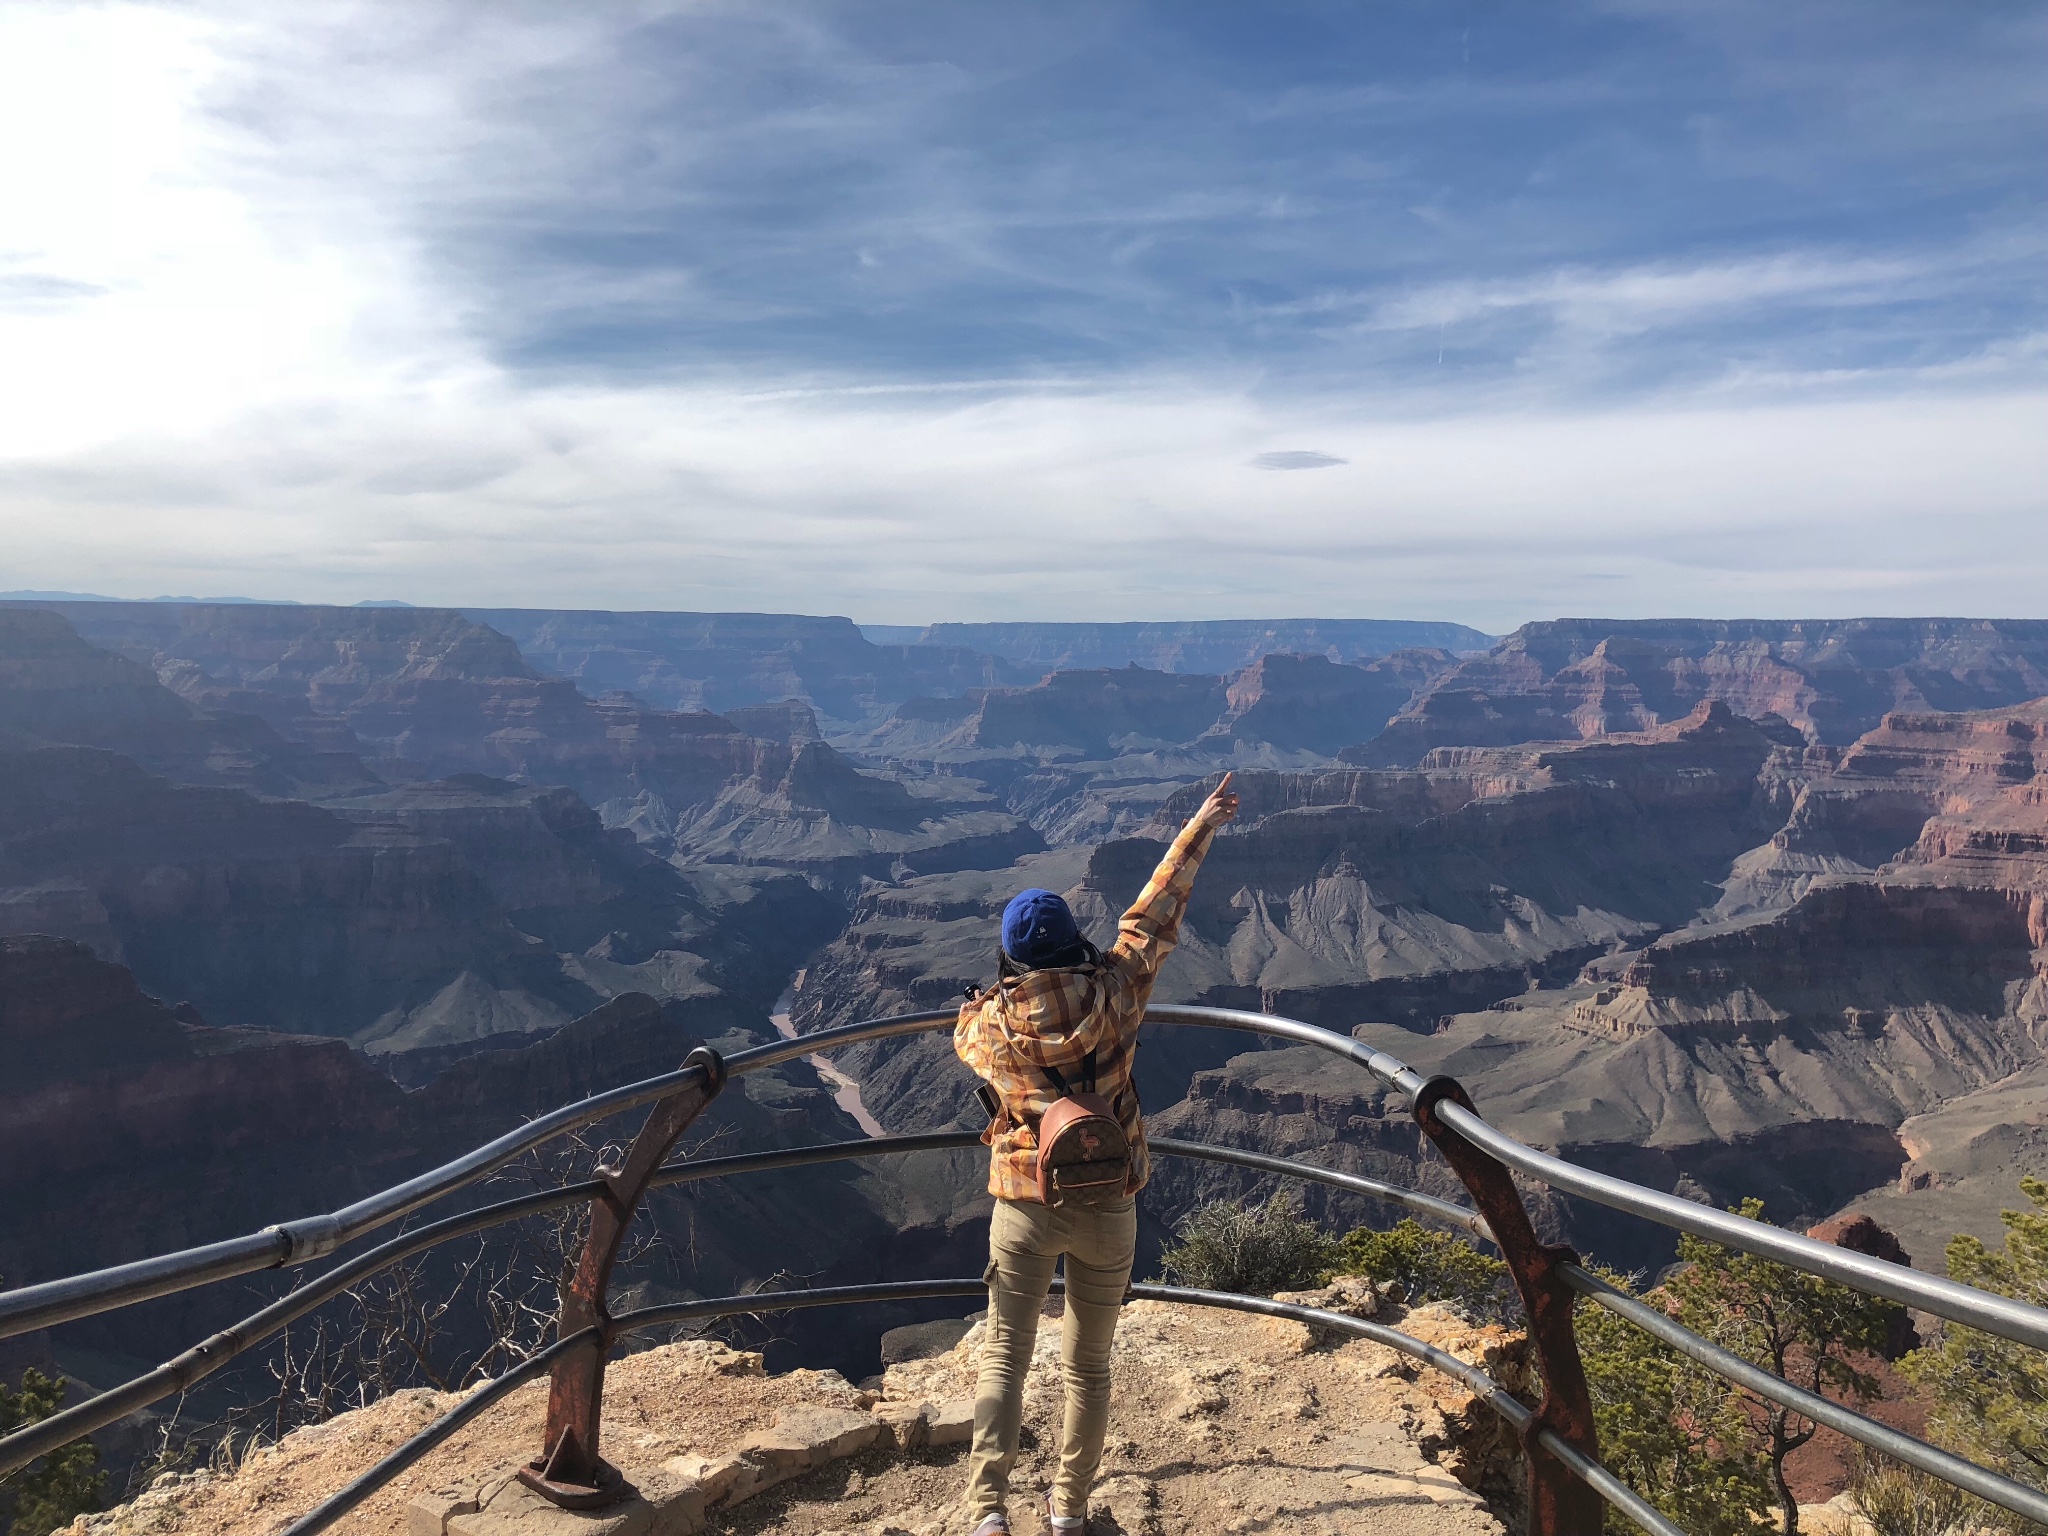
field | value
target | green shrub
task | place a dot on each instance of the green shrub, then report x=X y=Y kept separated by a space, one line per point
x=1257 y=1250
x=1990 y=1394
x=59 y=1486
x=1670 y=1428
x=1428 y=1265
x=1810 y=1331
x=1897 y=1500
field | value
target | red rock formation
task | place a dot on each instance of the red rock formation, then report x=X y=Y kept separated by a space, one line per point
x=1573 y=679
x=1860 y=1234
x=1984 y=780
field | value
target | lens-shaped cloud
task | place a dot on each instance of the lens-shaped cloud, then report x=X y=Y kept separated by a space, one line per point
x=1295 y=458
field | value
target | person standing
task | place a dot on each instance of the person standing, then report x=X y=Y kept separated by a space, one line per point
x=1062 y=1021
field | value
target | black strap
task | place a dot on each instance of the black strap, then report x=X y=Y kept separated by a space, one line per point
x=1059 y=1083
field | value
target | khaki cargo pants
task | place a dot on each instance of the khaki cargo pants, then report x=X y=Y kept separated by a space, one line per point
x=1025 y=1240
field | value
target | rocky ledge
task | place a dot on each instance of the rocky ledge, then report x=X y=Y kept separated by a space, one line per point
x=1219 y=1423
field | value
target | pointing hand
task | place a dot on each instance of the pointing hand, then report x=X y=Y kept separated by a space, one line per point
x=1221 y=806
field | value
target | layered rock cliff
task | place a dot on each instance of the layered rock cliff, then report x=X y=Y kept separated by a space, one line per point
x=1339 y=895
x=427 y=916
x=1869 y=1035
x=1569 y=679
x=57 y=690
x=425 y=694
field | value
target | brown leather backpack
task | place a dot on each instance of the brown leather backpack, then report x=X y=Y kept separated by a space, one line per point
x=1084 y=1158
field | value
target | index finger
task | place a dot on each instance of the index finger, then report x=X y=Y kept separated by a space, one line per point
x=1220 y=788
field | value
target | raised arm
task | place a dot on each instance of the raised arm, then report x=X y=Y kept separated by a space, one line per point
x=1151 y=928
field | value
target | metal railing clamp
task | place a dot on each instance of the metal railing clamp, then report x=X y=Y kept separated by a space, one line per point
x=311 y=1237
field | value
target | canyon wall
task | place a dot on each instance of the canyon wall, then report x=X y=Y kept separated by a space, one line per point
x=1569 y=679
x=1213 y=645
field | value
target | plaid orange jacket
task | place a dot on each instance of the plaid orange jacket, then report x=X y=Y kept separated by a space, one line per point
x=1056 y=1017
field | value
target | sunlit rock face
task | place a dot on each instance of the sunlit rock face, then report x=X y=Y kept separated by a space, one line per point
x=1832 y=680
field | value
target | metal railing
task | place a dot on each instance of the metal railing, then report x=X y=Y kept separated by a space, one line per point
x=1567 y=1483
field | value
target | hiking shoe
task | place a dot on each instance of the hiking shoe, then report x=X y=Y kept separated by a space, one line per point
x=993 y=1525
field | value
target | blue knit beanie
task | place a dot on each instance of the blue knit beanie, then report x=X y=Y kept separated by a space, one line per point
x=1038 y=930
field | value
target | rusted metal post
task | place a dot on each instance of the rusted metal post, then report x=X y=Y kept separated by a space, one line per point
x=1559 y=1504
x=569 y=1471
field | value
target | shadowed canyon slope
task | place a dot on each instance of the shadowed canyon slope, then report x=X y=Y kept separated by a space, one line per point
x=133 y=1129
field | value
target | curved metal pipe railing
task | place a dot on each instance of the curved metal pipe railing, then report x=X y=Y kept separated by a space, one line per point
x=1518 y=1415
x=44 y=1305
x=1895 y=1282
x=1437 y=1100
x=1460 y=1216
x=30 y=1307
x=1958 y=1303
x=39 y=1306
x=347 y=1497
x=211 y=1354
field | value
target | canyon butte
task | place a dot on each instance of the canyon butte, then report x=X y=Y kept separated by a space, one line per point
x=297 y=900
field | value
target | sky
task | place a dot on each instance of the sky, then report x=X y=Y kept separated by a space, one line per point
x=1101 y=310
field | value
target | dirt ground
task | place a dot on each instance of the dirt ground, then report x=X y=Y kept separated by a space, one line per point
x=1220 y=1423
x=690 y=1397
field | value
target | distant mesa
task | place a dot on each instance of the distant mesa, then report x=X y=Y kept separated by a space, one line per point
x=1295 y=458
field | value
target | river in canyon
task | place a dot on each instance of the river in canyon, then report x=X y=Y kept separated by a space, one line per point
x=845 y=1091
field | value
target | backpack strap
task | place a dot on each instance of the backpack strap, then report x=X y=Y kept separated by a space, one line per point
x=1060 y=1089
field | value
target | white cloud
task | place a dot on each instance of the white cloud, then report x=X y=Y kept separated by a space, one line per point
x=228 y=362
x=1642 y=296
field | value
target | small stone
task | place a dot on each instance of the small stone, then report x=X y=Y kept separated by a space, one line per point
x=428 y=1514
x=715 y=1479
x=905 y=1426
